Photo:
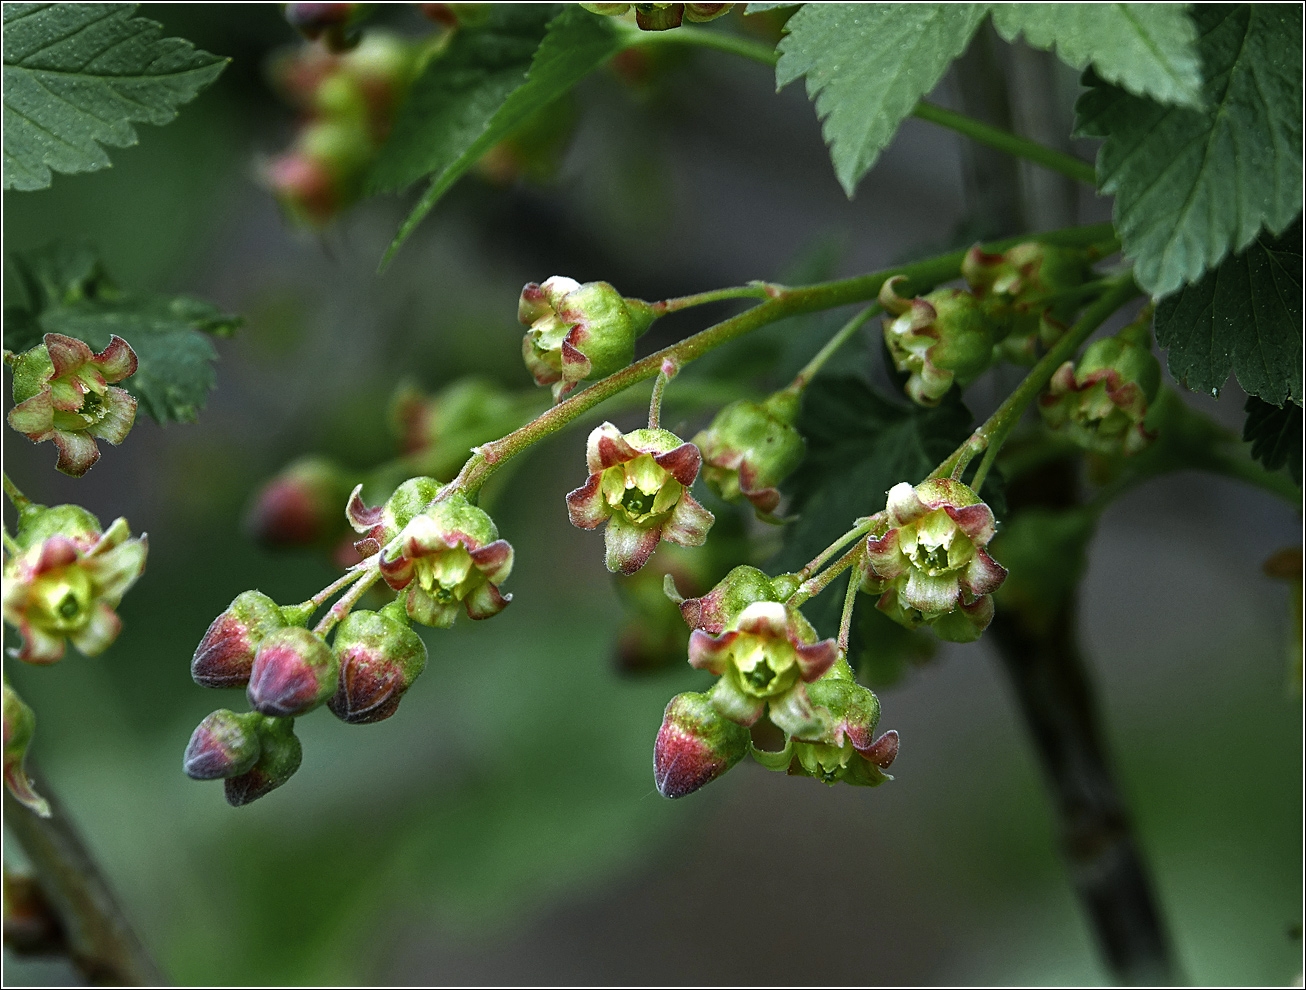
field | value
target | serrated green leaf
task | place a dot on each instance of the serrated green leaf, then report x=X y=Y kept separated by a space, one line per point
x=1244 y=316
x=1149 y=49
x=867 y=66
x=78 y=75
x=69 y=293
x=475 y=96
x=1193 y=185
x=1275 y=433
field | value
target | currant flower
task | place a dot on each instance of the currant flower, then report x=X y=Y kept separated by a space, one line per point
x=750 y=447
x=62 y=392
x=66 y=579
x=663 y=16
x=930 y=566
x=639 y=485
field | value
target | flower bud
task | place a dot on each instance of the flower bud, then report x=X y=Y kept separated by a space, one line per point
x=1102 y=403
x=578 y=331
x=717 y=609
x=66 y=580
x=701 y=13
x=382 y=523
x=294 y=671
x=279 y=757
x=848 y=751
x=929 y=566
x=223 y=745
x=937 y=339
x=750 y=447
x=62 y=393
x=1028 y=277
x=19 y=724
x=379 y=658
x=639 y=485
x=300 y=506
x=695 y=745
x=225 y=655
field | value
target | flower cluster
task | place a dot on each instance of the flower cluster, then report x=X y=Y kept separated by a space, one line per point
x=63 y=392
x=929 y=565
x=65 y=580
x=663 y=16
x=639 y=485
x=578 y=332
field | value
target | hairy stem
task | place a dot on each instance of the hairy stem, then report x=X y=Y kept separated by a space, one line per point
x=814 y=586
x=781 y=302
x=365 y=579
x=754 y=290
x=101 y=943
x=19 y=500
x=849 y=603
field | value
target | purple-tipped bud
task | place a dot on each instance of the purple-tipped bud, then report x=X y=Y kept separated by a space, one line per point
x=223 y=745
x=695 y=745
x=294 y=671
x=379 y=659
x=714 y=611
x=225 y=655
x=279 y=757
x=300 y=506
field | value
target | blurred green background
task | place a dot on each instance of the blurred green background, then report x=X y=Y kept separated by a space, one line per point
x=503 y=827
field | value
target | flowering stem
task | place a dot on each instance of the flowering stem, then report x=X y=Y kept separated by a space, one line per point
x=317 y=600
x=667 y=373
x=100 y=941
x=845 y=333
x=990 y=436
x=780 y=302
x=814 y=586
x=849 y=603
x=365 y=579
x=753 y=290
x=994 y=137
x=19 y=500
x=860 y=528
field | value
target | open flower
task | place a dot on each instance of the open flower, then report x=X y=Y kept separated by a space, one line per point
x=578 y=331
x=63 y=393
x=639 y=485
x=931 y=561
x=67 y=579
x=448 y=553
x=937 y=339
x=765 y=658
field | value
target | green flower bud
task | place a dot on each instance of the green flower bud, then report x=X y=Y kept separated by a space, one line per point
x=294 y=671
x=944 y=337
x=223 y=745
x=749 y=448
x=225 y=655
x=379 y=659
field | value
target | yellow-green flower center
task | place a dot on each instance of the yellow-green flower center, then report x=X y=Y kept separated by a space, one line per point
x=767 y=667
x=63 y=599
x=448 y=575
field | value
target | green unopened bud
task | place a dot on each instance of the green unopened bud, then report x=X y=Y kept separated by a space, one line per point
x=695 y=745
x=19 y=724
x=279 y=757
x=578 y=332
x=942 y=338
x=716 y=610
x=749 y=448
x=379 y=659
x=1102 y=402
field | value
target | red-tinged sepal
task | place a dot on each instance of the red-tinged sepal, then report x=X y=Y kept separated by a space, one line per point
x=294 y=671
x=379 y=658
x=695 y=745
x=280 y=755
x=845 y=748
x=223 y=745
x=19 y=725
x=749 y=448
x=225 y=655
x=743 y=586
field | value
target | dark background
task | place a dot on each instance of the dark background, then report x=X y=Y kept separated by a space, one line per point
x=503 y=827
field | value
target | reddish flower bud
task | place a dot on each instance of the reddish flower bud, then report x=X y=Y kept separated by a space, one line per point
x=740 y=588
x=294 y=671
x=226 y=653
x=379 y=659
x=223 y=745
x=749 y=448
x=695 y=745
x=380 y=524
x=19 y=724
x=300 y=506
x=279 y=757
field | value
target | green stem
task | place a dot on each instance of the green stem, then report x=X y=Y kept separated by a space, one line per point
x=991 y=434
x=754 y=290
x=341 y=608
x=20 y=500
x=814 y=586
x=994 y=137
x=320 y=598
x=860 y=528
x=804 y=377
x=781 y=302
x=849 y=603
x=1012 y=144
x=667 y=372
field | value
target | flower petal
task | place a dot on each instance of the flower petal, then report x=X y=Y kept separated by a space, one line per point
x=117 y=570
x=816 y=659
x=794 y=713
x=77 y=452
x=767 y=620
x=885 y=557
x=931 y=595
x=494 y=560
x=119 y=415
x=976 y=521
x=34 y=416
x=100 y=630
x=67 y=354
x=397 y=571
x=424 y=609
x=732 y=703
x=983 y=575
x=628 y=547
x=117 y=361
x=39 y=645
x=586 y=506
x=485 y=601
x=904 y=505
x=688 y=523
x=359 y=515
x=575 y=365
x=710 y=653
x=882 y=752
x=682 y=463
x=56 y=551
x=606 y=447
